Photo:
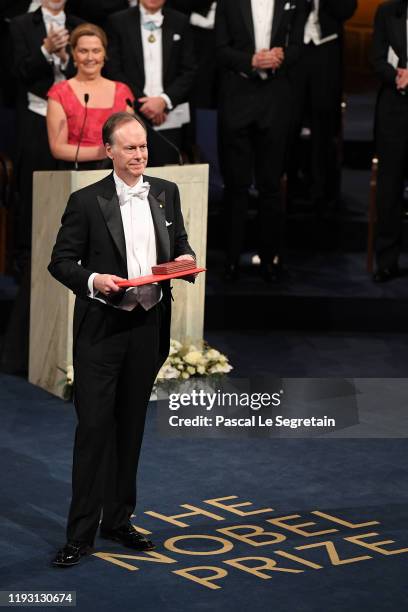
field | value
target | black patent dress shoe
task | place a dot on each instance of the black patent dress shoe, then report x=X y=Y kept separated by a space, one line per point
x=71 y=554
x=129 y=537
x=386 y=274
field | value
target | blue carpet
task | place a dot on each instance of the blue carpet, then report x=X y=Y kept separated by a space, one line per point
x=358 y=480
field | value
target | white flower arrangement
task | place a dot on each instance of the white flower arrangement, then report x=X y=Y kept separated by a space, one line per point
x=186 y=361
x=67 y=383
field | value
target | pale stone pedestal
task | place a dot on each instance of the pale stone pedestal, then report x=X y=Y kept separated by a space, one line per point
x=52 y=304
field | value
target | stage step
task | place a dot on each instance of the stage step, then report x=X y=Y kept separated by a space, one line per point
x=321 y=291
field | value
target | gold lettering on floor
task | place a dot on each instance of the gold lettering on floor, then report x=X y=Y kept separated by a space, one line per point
x=267 y=566
x=333 y=556
x=254 y=532
x=115 y=558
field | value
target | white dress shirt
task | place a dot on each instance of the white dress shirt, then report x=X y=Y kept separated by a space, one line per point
x=35 y=103
x=153 y=69
x=313 y=31
x=262 y=17
x=140 y=239
x=153 y=55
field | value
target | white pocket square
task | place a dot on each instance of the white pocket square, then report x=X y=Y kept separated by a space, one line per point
x=168 y=223
x=176 y=36
x=287 y=6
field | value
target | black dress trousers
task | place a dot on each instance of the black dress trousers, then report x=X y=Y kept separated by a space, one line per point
x=254 y=121
x=317 y=82
x=115 y=364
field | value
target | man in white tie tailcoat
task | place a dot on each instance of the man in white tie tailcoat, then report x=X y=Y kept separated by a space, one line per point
x=114 y=229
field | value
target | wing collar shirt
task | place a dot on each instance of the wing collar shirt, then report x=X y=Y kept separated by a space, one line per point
x=262 y=17
x=35 y=103
x=151 y=28
x=312 y=29
x=140 y=241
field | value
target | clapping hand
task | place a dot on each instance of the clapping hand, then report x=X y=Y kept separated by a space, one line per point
x=56 y=42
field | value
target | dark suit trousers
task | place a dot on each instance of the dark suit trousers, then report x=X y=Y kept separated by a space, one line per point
x=254 y=120
x=392 y=151
x=115 y=363
x=316 y=83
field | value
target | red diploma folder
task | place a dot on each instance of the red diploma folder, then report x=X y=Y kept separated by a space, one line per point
x=156 y=278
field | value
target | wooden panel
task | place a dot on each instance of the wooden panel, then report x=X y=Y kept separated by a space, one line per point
x=359 y=75
x=364 y=15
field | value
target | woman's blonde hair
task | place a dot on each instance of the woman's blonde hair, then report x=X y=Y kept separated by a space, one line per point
x=88 y=29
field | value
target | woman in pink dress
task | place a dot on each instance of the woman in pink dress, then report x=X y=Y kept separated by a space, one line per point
x=78 y=107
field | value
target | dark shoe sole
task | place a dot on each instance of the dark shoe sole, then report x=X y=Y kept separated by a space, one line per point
x=56 y=564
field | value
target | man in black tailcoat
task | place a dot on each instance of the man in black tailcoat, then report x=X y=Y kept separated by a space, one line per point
x=116 y=228
x=256 y=43
x=151 y=49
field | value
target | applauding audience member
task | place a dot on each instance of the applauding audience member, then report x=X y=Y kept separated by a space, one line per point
x=41 y=58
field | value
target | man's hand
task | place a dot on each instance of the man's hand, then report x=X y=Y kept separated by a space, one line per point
x=159 y=119
x=268 y=59
x=187 y=256
x=152 y=107
x=402 y=78
x=106 y=283
x=56 y=40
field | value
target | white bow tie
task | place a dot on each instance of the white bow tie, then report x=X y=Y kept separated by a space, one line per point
x=140 y=191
